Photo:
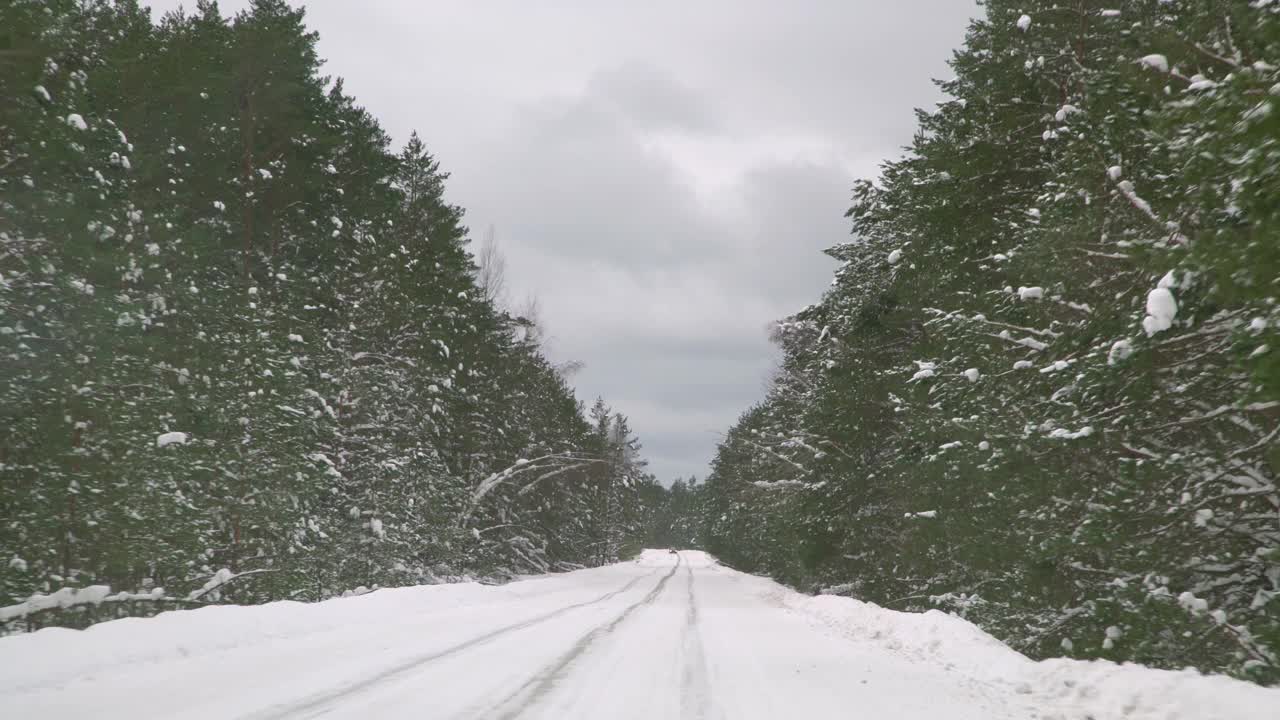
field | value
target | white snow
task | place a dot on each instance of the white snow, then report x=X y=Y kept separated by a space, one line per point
x=1065 y=112
x=1192 y=603
x=1200 y=82
x=1030 y=293
x=1120 y=351
x=43 y=93
x=1155 y=62
x=1161 y=310
x=972 y=375
x=1115 y=172
x=664 y=636
x=1202 y=517
x=925 y=372
x=1065 y=434
x=171 y=438
x=76 y=121
x=927 y=514
x=1126 y=188
x=1024 y=23
x=62 y=598
x=1055 y=366
x=895 y=257
x=212 y=587
x=1032 y=343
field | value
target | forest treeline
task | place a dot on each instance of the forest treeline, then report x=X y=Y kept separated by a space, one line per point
x=1043 y=390
x=244 y=353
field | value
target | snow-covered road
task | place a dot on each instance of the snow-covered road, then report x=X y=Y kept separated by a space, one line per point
x=665 y=636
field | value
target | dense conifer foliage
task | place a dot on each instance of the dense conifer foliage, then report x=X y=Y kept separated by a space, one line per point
x=243 y=352
x=1044 y=387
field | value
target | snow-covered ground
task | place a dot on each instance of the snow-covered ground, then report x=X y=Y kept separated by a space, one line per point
x=665 y=636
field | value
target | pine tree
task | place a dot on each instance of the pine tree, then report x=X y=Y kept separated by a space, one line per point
x=247 y=356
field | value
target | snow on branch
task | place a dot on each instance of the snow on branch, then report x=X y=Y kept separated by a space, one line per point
x=520 y=467
x=213 y=588
x=69 y=597
x=1218 y=412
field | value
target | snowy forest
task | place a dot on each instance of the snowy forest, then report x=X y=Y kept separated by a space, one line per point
x=1043 y=389
x=247 y=354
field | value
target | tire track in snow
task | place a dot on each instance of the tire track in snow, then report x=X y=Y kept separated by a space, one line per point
x=695 y=695
x=320 y=704
x=545 y=680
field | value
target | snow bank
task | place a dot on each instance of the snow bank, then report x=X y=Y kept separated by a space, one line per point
x=1098 y=689
x=53 y=656
x=1103 y=689
x=932 y=635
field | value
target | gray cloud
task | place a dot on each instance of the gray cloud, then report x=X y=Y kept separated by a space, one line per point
x=663 y=176
x=650 y=99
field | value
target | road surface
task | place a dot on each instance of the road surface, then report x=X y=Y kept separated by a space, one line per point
x=665 y=636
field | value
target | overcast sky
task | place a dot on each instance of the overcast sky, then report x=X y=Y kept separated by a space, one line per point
x=661 y=175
